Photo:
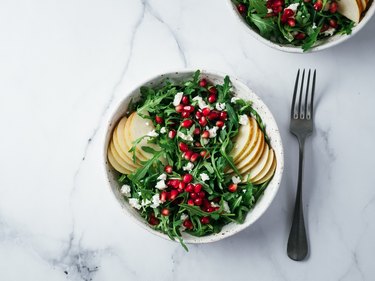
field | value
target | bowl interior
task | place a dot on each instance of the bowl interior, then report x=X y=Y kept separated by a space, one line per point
x=242 y=91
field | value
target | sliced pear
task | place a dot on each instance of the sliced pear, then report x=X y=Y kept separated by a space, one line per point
x=241 y=141
x=266 y=168
x=119 y=160
x=254 y=134
x=254 y=155
x=115 y=164
x=364 y=5
x=269 y=174
x=125 y=135
x=254 y=171
x=351 y=9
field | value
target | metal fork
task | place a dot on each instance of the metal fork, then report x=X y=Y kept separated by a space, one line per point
x=301 y=125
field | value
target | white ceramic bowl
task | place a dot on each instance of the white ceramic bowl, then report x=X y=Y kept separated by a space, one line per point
x=321 y=45
x=242 y=91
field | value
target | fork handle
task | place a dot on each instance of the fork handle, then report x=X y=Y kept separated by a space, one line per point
x=297 y=243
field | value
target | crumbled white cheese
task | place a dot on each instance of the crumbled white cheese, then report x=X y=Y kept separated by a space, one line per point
x=145 y=202
x=152 y=133
x=139 y=193
x=205 y=141
x=125 y=190
x=215 y=205
x=234 y=99
x=293 y=7
x=155 y=201
x=161 y=185
x=188 y=167
x=269 y=11
x=236 y=180
x=185 y=137
x=204 y=177
x=134 y=203
x=201 y=103
x=162 y=176
x=177 y=98
x=163 y=130
x=220 y=106
x=314 y=26
x=226 y=207
x=184 y=216
x=213 y=131
x=243 y=119
x=329 y=31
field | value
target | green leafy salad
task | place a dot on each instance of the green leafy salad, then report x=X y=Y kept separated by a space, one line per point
x=174 y=150
x=296 y=22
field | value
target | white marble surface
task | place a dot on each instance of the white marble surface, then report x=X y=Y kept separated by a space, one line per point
x=63 y=67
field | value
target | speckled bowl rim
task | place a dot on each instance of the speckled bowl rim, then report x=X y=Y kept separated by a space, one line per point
x=322 y=45
x=271 y=129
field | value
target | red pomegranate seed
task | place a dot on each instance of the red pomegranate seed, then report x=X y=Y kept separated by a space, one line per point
x=210 y=210
x=197 y=187
x=212 y=90
x=193 y=195
x=181 y=185
x=187 y=178
x=333 y=7
x=203 y=153
x=163 y=196
x=183 y=146
x=288 y=13
x=185 y=100
x=172 y=134
x=168 y=169
x=188 y=154
x=159 y=119
x=206 y=203
x=300 y=36
x=220 y=124
x=185 y=114
x=198 y=201
x=153 y=220
x=198 y=114
x=189 y=108
x=223 y=115
x=198 y=144
x=174 y=194
x=179 y=108
x=277 y=3
x=292 y=22
x=197 y=131
x=203 y=121
x=190 y=202
x=202 y=194
x=241 y=8
x=324 y=28
x=194 y=157
x=277 y=9
x=206 y=134
x=189 y=188
x=165 y=212
x=205 y=220
x=173 y=183
x=203 y=83
x=333 y=23
x=206 y=111
x=213 y=115
x=232 y=187
x=318 y=5
x=188 y=224
x=187 y=123
x=212 y=98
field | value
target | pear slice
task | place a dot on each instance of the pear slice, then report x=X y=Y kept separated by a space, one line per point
x=267 y=167
x=253 y=139
x=351 y=9
x=115 y=164
x=241 y=141
x=254 y=171
x=249 y=161
x=364 y=5
x=269 y=174
x=119 y=160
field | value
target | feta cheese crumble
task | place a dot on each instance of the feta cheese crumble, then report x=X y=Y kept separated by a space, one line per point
x=177 y=98
x=184 y=216
x=236 y=180
x=234 y=99
x=145 y=202
x=125 y=190
x=204 y=177
x=314 y=26
x=213 y=131
x=184 y=137
x=188 y=167
x=329 y=31
x=205 y=141
x=226 y=207
x=215 y=205
x=163 y=130
x=155 y=201
x=134 y=203
x=162 y=176
x=201 y=103
x=161 y=185
x=152 y=133
x=293 y=7
x=243 y=119
x=220 y=106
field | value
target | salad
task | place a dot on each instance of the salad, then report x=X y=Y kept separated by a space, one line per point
x=296 y=22
x=192 y=156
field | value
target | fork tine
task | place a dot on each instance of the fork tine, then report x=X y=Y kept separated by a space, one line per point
x=306 y=95
x=292 y=113
x=300 y=96
x=312 y=95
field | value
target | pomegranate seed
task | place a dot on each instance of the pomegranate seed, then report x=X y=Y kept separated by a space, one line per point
x=153 y=220
x=173 y=183
x=174 y=194
x=190 y=202
x=232 y=187
x=203 y=153
x=188 y=154
x=241 y=8
x=213 y=115
x=198 y=114
x=333 y=7
x=212 y=98
x=189 y=188
x=300 y=36
x=193 y=195
x=188 y=224
x=197 y=188
x=168 y=169
x=288 y=13
x=194 y=157
x=292 y=22
x=318 y=5
x=333 y=23
x=198 y=201
x=179 y=108
x=324 y=28
x=185 y=114
x=223 y=115
x=185 y=100
x=220 y=124
x=277 y=9
x=189 y=108
x=210 y=210
x=203 y=83
x=202 y=194
x=206 y=134
x=212 y=90
x=163 y=196
x=187 y=123
x=159 y=119
x=187 y=178
x=172 y=134
x=197 y=131
x=165 y=212
x=180 y=191
x=203 y=121
x=205 y=220
x=183 y=146
x=206 y=111
x=181 y=185
x=198 y=144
